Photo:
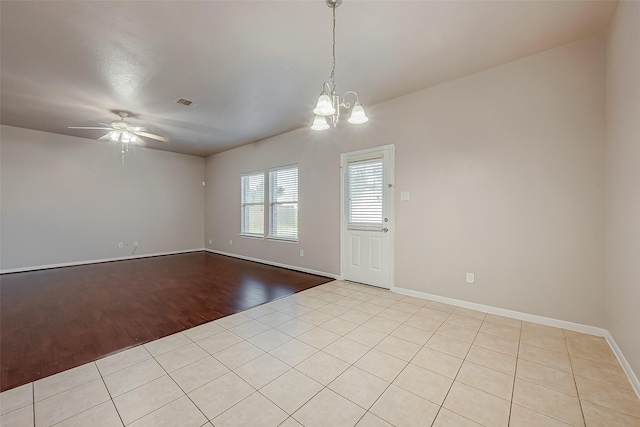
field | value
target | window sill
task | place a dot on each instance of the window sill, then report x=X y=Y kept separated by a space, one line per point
x=252 y=236
x=282 y=239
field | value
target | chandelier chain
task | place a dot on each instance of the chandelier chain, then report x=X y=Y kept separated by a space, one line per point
x=333 y=70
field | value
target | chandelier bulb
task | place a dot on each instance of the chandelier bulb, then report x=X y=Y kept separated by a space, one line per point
x=320 y=123
x=357 y=115
x=324 y=107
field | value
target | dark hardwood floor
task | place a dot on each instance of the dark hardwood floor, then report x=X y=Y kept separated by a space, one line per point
x=53 y=320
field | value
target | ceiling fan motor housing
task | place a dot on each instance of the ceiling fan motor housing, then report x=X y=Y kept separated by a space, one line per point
x=119 y=125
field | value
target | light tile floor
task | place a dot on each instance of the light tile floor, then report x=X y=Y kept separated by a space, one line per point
x=343 y=354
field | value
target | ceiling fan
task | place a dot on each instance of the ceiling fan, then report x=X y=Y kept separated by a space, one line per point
x=123 y=132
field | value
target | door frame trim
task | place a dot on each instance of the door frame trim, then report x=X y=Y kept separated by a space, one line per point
x=391 y=148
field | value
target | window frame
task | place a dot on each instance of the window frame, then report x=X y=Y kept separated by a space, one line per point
x=273 y=203
x=243 y=204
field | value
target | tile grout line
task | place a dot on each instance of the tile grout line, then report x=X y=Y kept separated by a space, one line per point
x=440 y=406
x=456 y=376
x=367 y=410
x=274 y=379
x=255 y=389
x=350 y=365
x=73 y=388
x=338 y=376
x=545 y=386
x=402 y=370
x=33 y=399
x=109 y=391
x=297 y=409
x=515 y=373
x=174 y=381
x=573 y=375
x=189 y=397
x=152 y=357
x=602 y=383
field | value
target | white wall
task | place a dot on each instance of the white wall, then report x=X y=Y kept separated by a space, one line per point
x=506 y=173
x=67 y=199
x=623 y=181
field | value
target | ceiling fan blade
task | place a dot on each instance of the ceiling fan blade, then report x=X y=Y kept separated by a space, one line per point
x=104 y=138
x=85 y=127
x=141 y=142
x=152 y=136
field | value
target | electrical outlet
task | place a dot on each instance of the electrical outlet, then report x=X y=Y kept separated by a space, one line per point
x=471 y=278
x=301 y=252
x=209 y=241
x=405 y=195
x=135 y=244
x=120 y=244
x=230 y=242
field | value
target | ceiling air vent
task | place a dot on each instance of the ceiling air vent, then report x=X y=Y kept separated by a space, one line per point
x=184 y=102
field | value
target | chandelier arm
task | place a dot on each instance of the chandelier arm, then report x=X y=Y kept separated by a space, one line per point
x=346 y=103
x=353 y=92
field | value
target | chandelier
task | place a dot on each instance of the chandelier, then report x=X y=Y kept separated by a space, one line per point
x=327 y=109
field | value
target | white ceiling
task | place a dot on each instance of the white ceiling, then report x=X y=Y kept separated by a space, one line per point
x=254 y=68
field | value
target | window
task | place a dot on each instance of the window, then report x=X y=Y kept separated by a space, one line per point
x=364 y=188
x=252 y=199
x=283 y=203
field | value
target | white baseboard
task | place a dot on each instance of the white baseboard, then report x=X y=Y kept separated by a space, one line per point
x=123 y=258
x=592 y=330
x=508 y=313
x=276 y=264
x=94 y=261
x=633 y=378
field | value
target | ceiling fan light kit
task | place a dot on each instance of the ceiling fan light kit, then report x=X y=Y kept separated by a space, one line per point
x=124 y=133
x=122 y=136
x=327 y=109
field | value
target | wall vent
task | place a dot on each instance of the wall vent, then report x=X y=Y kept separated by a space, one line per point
x=184 y=102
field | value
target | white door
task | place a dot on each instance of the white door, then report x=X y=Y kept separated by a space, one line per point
x=367 y=216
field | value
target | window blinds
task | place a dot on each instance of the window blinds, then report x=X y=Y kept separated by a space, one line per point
x=252 y=196
x=365 y=192
x=283 y=203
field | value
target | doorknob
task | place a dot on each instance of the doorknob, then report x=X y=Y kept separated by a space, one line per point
x=385 y=229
